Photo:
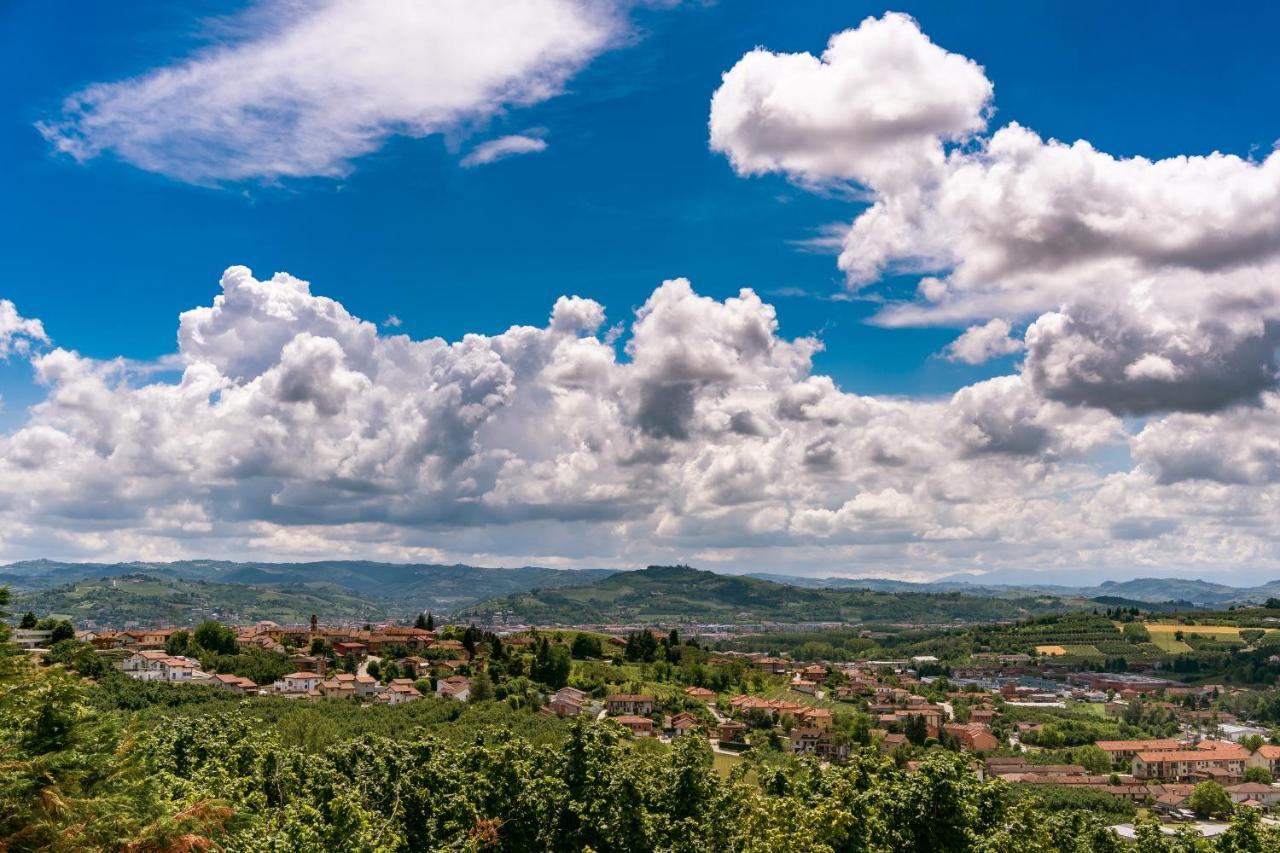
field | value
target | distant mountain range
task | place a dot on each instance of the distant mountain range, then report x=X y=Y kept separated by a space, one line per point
x=332 y=588
x=1178 y=591
x=680 y=593
x=372 y=590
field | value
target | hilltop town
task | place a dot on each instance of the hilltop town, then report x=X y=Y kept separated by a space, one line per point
x=1127 y=738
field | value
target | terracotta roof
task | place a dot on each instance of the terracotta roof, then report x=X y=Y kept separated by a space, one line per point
x=630 y=720
x=1137 y=745
x=301 y=675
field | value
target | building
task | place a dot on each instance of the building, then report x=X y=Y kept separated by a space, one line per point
x=31 y=638
x=701 y=694
x=566 y=702
x=684 y=723
x=1222 y=763
x=629 y=704
x=974 y=737
x=456 y=687
x=731 y=731
x=806 y=740
x=298 y=683
x=234 y=683
x=1124 y=750
x=639 y=726
x=1268 y=757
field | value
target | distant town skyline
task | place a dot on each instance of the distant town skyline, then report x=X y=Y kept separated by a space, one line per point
x=817 y=289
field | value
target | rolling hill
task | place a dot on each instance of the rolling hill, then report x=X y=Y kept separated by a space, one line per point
x=680 y=593
x=276 y=591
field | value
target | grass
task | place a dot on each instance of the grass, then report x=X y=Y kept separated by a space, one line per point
x=1164 y=635
x=1054 y=651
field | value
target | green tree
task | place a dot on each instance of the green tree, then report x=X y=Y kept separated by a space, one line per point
x=481 y=688
x=421 y=622
x=28 y=620
x=215 y=637
x=431 y=622
x=1258 y=774
x=1209 y=799
x=179 y=643
x=586 y=646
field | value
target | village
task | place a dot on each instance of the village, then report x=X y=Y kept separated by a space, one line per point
x=1001 y=709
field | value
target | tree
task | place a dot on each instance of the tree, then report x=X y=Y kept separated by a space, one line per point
x=28 y=620
x=431 y=622
x=1091 y=758
x=215 y=637
x=586 y=646
x=1258 y=774
x=916 y=730
x=421 y=622
x=1209 y=799
x=481 y=688
x=1252 y=742
x=374 y=669
x=551 y=665
x=178 y=643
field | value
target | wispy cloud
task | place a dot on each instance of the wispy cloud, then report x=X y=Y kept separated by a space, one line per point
x=304 y=93
x=502 y=148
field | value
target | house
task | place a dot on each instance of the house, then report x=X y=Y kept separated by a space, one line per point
x=1223 y=763
x=566 y=702
x=777 y=666
x=1266 y=795
x=815 y=673
x=684 y=722
x=145 y=665
x=415 y=666
x=31 y=638
x=700 y=694
x=629 y=703
x=731 y=731
x=1267 y=757
x=892 y=741
x=342 y=649
x=639 y=726
x=818 y=718
x=234 y=683
x=297 y=683
x=974 y=737
x=983 y=715
x=817 y=741
x=399 y=691
x=801 y=685
x=179 y=669
x=1125 y=750
x=454 y=687
x=335 y=689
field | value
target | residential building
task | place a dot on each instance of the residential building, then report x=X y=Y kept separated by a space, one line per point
x=639 y=726
x=1222 y=763
x=298 y=683
x=456 y=687
x=975 y=737
x=629 y=703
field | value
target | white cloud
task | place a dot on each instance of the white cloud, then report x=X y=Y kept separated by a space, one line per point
x=316 y=85
x=392 y=322
x=1148 y=285
x=502 y=148
x=296 y=429
x=983 y=343
x=18 y=333
x=877 y=104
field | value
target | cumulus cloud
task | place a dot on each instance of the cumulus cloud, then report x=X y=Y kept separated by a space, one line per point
x=18 y=333
x=295 y=422
x=1149 y=285
x=983 y=343
x=877 y=104
x=312 y=86
x=502 y=148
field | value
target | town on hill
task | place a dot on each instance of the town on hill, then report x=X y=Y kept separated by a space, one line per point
x=1115 y=718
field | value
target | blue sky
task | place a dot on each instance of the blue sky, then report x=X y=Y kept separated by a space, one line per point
x=626 y=194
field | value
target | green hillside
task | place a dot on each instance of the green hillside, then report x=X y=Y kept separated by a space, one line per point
x=679 y=593
x=151 y=600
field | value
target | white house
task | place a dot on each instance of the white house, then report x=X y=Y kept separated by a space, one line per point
x=454 y=687
x=298 y=683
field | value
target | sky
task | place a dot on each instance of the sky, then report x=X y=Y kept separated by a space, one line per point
x=812 y=288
